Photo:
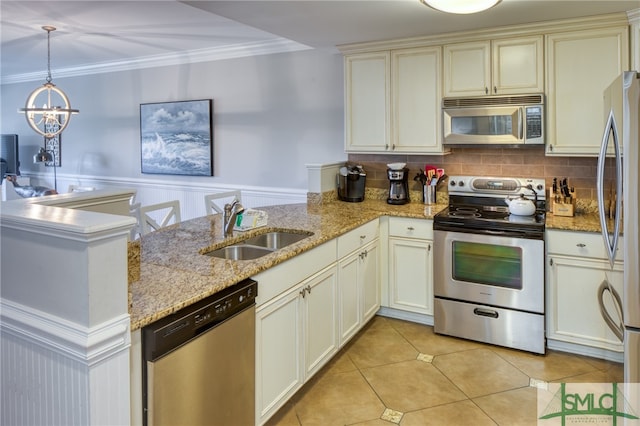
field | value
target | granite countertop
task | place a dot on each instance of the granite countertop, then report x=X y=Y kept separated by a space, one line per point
x=173 y=273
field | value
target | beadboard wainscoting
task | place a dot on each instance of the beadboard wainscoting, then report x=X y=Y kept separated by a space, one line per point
x=78 y=363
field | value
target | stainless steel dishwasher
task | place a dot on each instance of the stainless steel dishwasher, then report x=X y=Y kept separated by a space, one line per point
x=199 y=363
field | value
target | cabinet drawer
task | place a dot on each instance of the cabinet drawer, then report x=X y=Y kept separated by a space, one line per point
x=357 y=238
x=411 y=228
x=581 y=244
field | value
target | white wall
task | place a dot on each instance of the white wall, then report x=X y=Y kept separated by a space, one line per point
x=272 y=115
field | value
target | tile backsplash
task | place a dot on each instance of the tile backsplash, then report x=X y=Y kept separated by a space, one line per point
x=498 y=162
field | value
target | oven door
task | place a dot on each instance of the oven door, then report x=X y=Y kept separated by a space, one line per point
x=491 y=270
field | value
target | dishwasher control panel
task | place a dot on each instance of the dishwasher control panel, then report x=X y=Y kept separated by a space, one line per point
x=171 y=332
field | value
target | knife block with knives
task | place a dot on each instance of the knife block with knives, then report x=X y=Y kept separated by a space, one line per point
x=563 y=203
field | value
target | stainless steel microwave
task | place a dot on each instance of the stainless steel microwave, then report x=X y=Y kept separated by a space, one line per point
x=494 y=120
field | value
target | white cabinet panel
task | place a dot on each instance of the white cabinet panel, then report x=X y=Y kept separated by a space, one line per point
x=576 y=266
x=416 y=97
x=580 y=65
x=367 y=102
x=279 y=372
x=494 y=67
x=574 y=314
x=411 y=273
x=320 y=319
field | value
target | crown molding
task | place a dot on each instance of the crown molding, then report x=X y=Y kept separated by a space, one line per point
x=276 y=45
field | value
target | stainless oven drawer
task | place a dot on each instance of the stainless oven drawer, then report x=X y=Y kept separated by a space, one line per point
x=504 y=327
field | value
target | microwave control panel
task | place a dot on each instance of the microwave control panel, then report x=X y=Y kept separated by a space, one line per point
x=534 y=122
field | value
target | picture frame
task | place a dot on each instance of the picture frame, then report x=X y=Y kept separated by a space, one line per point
x=176 y=138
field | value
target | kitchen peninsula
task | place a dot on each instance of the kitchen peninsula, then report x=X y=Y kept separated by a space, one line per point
x=69 y=306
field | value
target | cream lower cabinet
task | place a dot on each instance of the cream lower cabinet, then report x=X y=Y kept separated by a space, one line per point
x=358 y=279
x=411 y=265
x=580 y=65
x=576 y=267
x=297 y=334
x=296 y=326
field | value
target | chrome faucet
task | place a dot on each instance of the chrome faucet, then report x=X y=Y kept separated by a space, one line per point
x=231 y=212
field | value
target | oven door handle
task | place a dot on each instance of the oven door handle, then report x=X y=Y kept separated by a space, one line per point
x=492 y=232
x=485 y=313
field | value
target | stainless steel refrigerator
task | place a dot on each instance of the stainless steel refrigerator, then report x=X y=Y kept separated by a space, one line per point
x=620 y=143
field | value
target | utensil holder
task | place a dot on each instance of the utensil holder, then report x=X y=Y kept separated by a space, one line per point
x=429 y=194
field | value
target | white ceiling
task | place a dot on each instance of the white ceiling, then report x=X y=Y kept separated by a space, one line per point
x=98 y=34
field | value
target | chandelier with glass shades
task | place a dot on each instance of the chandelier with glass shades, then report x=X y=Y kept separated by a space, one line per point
x=461 y=6
x=49 y=120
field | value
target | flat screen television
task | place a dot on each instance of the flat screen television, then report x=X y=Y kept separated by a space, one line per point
x=9 y=158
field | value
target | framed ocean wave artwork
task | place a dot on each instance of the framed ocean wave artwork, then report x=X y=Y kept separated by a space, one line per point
x=176 y=138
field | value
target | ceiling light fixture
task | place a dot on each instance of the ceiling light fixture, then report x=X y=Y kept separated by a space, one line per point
x=49 y=120
x=461 y=6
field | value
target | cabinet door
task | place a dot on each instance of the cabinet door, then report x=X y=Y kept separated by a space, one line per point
x=580 y=65
x=367 y=99
x=416 y=92
x=517 y=65
x=320 y=319
x=573 y=313
x=411 y=275
x=279 y=372
x=370 y=281
x=467 y=69
x=348 y=297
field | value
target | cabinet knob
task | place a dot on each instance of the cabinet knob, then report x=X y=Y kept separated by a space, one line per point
x=486 y=90
x=581 y=245
x=386 y=146
x=410 y=228
x=362 y=237
x=302 y=292
x=308 y=288
x=495 y=89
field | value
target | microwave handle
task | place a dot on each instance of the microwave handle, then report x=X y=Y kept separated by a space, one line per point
x=520 y=126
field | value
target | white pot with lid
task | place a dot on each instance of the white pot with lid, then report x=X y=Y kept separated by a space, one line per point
x=521 y=206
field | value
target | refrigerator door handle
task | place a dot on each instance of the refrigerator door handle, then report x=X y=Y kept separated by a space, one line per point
x=611 y=243
x=617 y=328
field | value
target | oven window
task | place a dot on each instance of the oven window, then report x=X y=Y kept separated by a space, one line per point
x=487 y=264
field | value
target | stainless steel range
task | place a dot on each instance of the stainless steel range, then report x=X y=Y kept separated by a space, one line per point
x=489 y=278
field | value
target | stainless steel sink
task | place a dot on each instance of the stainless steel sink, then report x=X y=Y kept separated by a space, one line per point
x=259 y=245
x=239 y=252
x=277 y=239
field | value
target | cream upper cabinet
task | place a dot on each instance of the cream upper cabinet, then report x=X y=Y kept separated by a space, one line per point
x=580 y=65
x=416 y=97
x=393 y=101
x=497 y=67
x=367 y=102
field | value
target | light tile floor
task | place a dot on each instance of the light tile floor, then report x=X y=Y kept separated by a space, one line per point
x=397 y=372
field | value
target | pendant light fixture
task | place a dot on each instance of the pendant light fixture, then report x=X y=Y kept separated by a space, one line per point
x=461 y=6
x=50 y=120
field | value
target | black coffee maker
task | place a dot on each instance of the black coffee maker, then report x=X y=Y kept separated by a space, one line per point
x=398 y=186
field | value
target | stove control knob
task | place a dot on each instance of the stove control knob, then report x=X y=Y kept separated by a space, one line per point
x=539 y=187
x=461 y=183
x=452 y=183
